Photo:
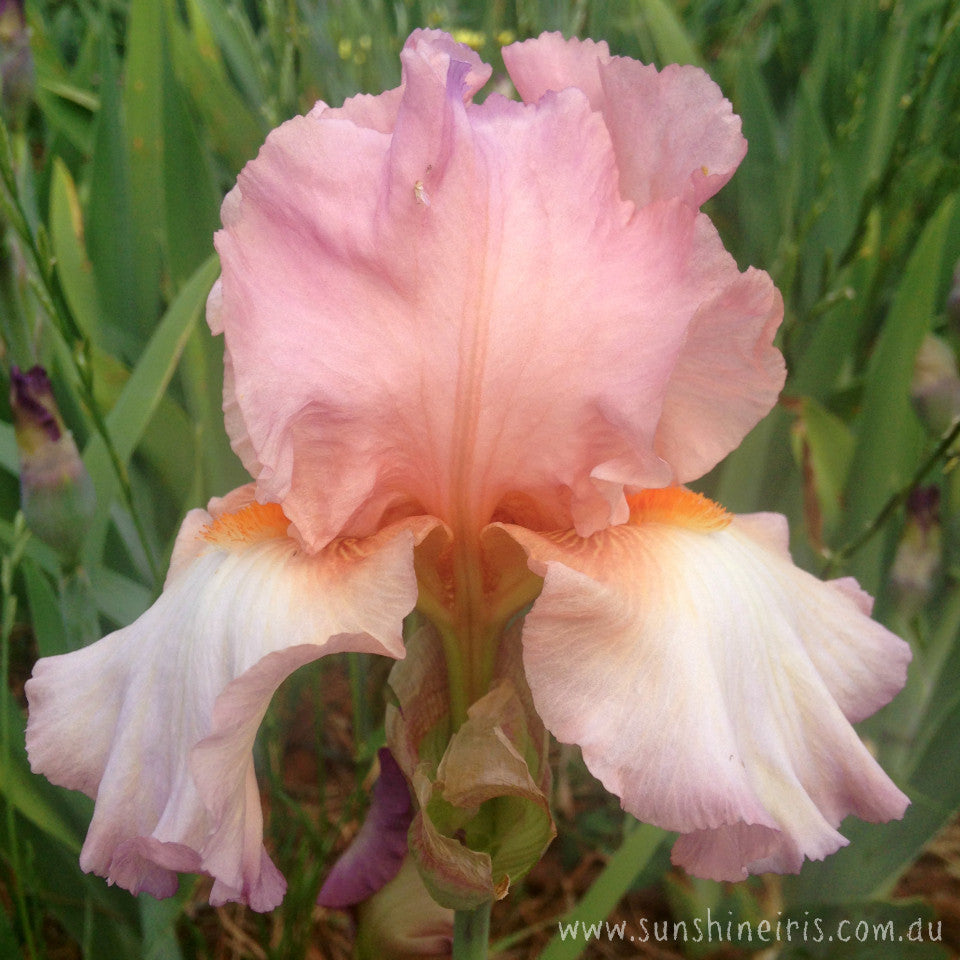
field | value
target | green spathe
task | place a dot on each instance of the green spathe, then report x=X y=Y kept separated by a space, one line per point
x=483 y=817
x=484 y=821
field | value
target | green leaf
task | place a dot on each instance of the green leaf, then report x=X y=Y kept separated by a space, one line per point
x=218 y=467
x=67 y=106
x=935 y=670
x=889 y=437
x=191 y=212
x=35 y=799
x=162 y=446
x=159 y=921
x=825 y=210
x=145 y=139
x=109 y=228
x=9 y=455
x=886 y=106
x=668 y=33
x=45 y=616
x=31 y=798
x=694 y=902
x=118 y=597
x=235 y=36
x=73 y=267
x=832 y=333
x=607 y=890
x=101 y=918
x=142 y=394
x=236 y=131
x=9 y=946
x=761 y=472
x=758 y=179
x=132 y=412
x=73 y=94
x=74 y=121
x=877 y=854
x=35 y=549
x=860 y=931
x=823 y=447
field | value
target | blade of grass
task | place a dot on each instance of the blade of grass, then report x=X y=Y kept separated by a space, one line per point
x=886 y=104
x=669 y=36
x=108 y=220
x=9 y=456
x=48 y=627
x=889 y=436
x=191 y=200
x=130 y=416
x=73 y=266
x=234 y=129
x=11 y=721
x=30 y=797
x=118 y=597
x=606 y=892
x=237 y=43
x=145 y=144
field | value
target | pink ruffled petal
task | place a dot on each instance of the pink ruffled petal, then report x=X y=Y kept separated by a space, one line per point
x=676 y=136
x=443 y=310
x=380 y=112
x=711 y=683
x=728 y=374
x=674 y=133
x=549 y=62
x=157 y=721
x=375 y=112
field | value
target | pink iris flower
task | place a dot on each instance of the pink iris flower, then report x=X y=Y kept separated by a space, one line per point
x=473 y=352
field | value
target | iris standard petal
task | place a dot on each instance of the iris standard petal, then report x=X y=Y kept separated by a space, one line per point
x=676 y=136
x=710 y=682
x=674 y=133
x=436 y=310
x=379 y=112
x=157 y=720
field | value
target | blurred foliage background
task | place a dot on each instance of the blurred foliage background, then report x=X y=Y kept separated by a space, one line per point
x=126 y=121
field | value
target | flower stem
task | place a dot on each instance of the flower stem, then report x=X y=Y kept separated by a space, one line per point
x=897 y=500
x=471 y=933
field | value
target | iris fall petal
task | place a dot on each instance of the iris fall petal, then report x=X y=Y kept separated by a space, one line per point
x=157 y=720
x=710 y=682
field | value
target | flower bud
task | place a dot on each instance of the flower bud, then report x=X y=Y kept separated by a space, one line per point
x=16 y=61
x=919 y=552
x=935 y=390
x=56 y=493
x=401 y=921
x=953 y=298
x=377 y=852
x=397 y=919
